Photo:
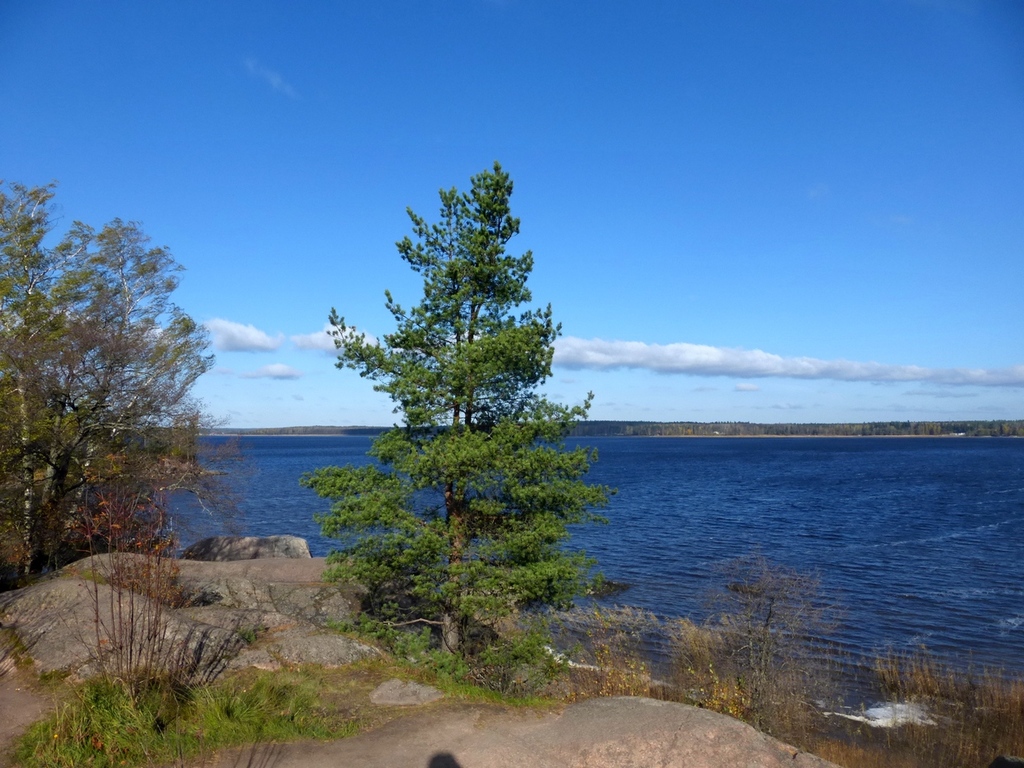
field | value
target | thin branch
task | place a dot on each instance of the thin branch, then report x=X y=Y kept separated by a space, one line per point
x=413 y=621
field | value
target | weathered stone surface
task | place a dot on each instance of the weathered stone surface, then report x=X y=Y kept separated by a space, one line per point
x=73 y=624
x=302 y=643
x=399 y=693
x=236 y=601
x=226 y=548
x=246 y=622
x=281 y=585
x=303 y=646
x=599 y=733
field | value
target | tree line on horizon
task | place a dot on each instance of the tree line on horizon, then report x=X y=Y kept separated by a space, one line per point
x=609 y=428
x=748 y=429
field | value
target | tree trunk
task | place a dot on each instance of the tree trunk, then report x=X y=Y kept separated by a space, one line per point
x=451 y=632
x=29 y=507
x=451 y=625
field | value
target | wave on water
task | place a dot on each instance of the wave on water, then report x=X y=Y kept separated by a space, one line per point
x=1011 y=624
x=889 y=715
x=939 y=538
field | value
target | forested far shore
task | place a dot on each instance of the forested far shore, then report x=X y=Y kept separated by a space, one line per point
x=748 y=429
x=715 y=429
x=298 y=431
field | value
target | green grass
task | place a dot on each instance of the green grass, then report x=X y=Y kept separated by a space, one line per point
x=103 y=724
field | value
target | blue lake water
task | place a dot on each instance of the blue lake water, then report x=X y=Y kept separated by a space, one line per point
x=920 y=540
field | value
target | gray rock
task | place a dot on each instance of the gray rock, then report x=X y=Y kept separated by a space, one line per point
x=399 y=693
x=260 y=658
x=221 y=548
x=301 y=646
x=285 y=586
x=610 y=733
x=77 y=625
x=282 y=601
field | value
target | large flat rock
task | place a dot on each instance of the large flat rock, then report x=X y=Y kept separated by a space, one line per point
x=599 y=733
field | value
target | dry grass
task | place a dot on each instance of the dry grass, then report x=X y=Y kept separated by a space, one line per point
x=609 y=659
x=857 y=755
x=756 y=660
x=978 y=715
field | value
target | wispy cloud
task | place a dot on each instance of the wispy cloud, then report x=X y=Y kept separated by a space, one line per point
x=271 y=78
x=941 y=393
x=273 y=371
x=323 y=340
x=747 y=388
x=229 y=336
x=702 y=360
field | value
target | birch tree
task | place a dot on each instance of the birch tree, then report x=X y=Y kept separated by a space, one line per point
x=96 y=370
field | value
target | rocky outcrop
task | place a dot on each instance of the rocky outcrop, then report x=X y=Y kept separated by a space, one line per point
x=248 y=612
x=271 y=612
x=605 y=733
x=290 y=587
x=221 y=548
x=403 y=693
x=75 y=624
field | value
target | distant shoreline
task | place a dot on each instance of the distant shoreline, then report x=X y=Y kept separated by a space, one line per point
x=993 y=428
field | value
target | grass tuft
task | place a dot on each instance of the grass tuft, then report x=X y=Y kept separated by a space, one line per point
x=107 y=723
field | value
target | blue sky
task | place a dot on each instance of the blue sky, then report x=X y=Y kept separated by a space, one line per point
x=790 y=210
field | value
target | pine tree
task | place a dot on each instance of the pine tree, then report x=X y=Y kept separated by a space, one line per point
x=462 y=521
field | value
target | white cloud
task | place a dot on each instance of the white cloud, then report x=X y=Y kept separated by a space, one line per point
x=703 y=360
x=273 y=371
x=229 y=336
x=271 y=78
x=747 y=388
x=323 y=340
x=316 y=340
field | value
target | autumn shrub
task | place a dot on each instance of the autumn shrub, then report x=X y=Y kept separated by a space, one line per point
x=607 y=648
x=767 y=620
x=975 y=714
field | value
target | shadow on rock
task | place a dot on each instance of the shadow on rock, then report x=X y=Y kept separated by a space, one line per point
x=444 y=760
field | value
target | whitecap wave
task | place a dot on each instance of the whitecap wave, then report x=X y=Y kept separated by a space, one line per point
x=1011 y=623
x=890 y=715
